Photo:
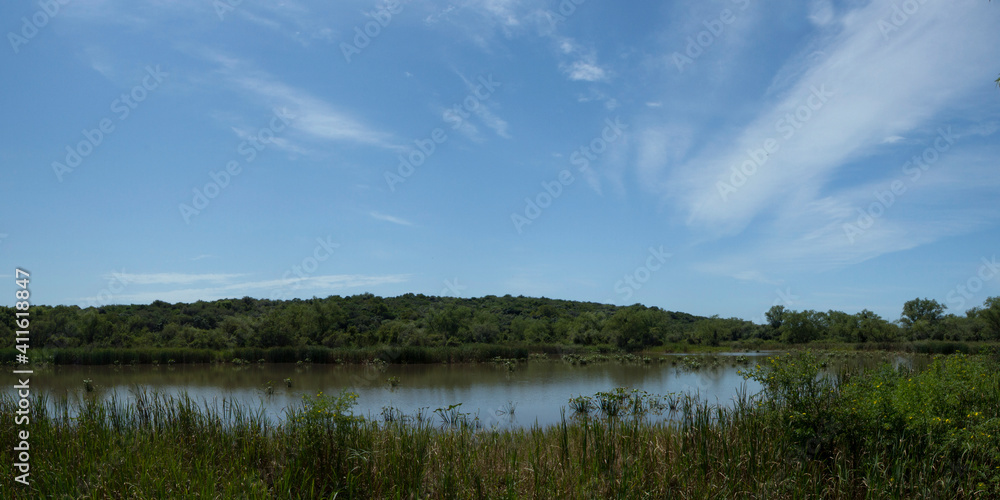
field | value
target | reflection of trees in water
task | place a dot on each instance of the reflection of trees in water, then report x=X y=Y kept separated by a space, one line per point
x=538 y=387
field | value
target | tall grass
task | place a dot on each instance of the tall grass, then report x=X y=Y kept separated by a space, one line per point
x=808 y=436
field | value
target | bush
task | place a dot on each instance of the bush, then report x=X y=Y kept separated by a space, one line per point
x=801 y=396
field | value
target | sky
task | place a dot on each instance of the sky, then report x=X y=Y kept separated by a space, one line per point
x=711 y=157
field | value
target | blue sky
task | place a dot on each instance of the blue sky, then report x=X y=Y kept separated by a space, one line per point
x=712 y=157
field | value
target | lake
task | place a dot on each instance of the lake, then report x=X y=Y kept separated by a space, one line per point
x=537 y=390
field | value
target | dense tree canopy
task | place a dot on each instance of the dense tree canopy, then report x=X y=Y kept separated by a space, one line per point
x=419 y=320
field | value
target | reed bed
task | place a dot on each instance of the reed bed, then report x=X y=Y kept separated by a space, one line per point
x=883 y=433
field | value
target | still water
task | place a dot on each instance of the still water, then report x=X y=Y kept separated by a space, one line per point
x=537 y=390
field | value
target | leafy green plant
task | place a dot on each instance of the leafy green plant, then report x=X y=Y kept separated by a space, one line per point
x=581 y=405
x=801 y=395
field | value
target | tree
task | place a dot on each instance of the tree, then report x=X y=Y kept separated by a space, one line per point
x=710 y=331
x=634 y=326
x=799 y=327
x=990 y=313
x=872 y=327
x=844 y=327
x=927 y=310
x=775 y=316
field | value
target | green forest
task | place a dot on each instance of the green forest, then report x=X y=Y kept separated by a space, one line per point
x=418 y=321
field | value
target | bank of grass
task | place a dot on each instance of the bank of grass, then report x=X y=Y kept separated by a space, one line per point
x=883 y=433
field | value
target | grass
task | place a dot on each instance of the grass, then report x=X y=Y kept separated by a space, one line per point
x=878 y=433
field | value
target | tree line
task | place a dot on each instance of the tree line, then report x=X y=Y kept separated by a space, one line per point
x=427 y=321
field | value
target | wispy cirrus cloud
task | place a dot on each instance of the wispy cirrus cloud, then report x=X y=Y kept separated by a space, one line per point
x=886 y=92
x=875 y=91
x=480 y=21
x=290 y=18
x=584 y=70
x=173 y=278
x=389 y=218
x=502 y=11
x=485 y=109
x=305 y=285
x=579 y=63
x=312 y=116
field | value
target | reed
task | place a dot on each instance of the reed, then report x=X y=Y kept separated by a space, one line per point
x=850 y=438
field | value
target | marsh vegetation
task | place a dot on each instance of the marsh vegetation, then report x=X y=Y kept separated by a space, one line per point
x=887 y=431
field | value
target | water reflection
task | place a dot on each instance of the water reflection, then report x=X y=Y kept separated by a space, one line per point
x=535 y=390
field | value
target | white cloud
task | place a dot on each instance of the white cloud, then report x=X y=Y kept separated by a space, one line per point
x=888 y=90
x=483 y=110
x=497 y=124
x=501 y=10
x=480 y=21
x=821 y=12
x=658 y=149
x=584 y=67
x=434 y=18
x=865 y=221
x=290 y=287
x=885 y=98
x=389 y=218
x=100 y=61
x=172 y=278
x=312 y=116
x=584 y=71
